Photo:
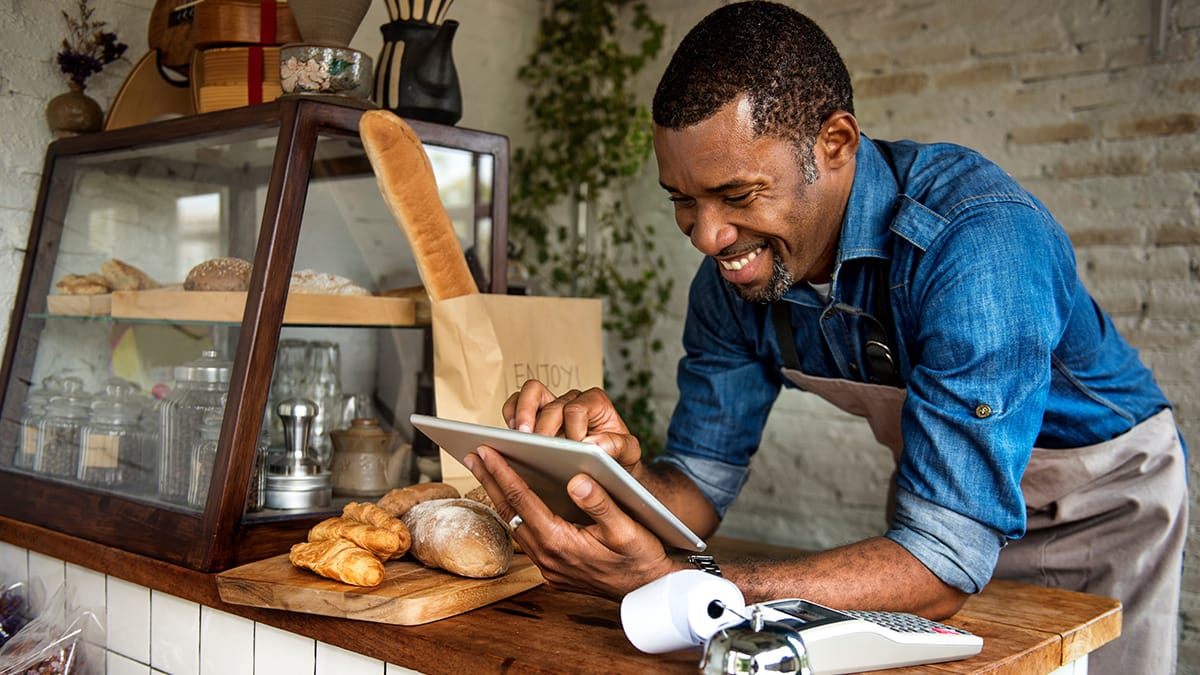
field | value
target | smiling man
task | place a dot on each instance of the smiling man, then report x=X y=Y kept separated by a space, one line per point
x=915 y=285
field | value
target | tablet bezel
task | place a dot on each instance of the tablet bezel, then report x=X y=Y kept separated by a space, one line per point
x=547 y=463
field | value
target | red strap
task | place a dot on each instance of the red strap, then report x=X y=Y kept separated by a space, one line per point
x=254 y=75
x=266 y=22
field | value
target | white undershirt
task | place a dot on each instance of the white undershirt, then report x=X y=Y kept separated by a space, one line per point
x=822 y=290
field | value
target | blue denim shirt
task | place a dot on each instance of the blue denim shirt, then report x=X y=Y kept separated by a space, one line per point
x=987 y=309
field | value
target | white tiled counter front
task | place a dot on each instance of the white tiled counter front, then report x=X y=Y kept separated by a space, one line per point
x=148 y=632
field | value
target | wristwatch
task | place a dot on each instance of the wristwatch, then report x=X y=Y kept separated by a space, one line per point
x=705 y=563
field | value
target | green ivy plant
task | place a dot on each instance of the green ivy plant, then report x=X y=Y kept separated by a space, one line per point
x=571 y=224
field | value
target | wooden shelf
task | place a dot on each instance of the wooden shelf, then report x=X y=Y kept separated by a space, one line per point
x=222 y=307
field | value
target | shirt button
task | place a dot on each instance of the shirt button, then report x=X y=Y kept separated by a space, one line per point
x=983 y=410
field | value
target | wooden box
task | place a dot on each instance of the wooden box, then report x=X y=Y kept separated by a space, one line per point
x=224 y=22
x=221 y=77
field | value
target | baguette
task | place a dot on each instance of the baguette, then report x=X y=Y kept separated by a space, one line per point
x=370 y=514
x=381 y=543
x=399 y=501
x=338 y=559
x=460 y=536
x=406 y=180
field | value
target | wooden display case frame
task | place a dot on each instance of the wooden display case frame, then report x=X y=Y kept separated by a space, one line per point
x=219 y=537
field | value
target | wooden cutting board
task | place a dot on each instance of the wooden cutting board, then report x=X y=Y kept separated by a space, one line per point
x=411 y=594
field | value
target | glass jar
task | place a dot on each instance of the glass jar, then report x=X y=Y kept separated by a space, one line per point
x=200 y=387
x=110 y=446
x=60 y=436
x=288 y=380
x=204 y=458
x=325 y=389
x=31 y=420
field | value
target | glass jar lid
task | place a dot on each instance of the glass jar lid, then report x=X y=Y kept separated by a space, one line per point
x=210 y=367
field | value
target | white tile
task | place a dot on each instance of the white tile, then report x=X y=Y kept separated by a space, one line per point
x=128 y=619
x=14 y=564
x=278 y=652
x=87 y=589
x=119 y=665
x=393 y=669
x=174 y=634
x=226 y=643
x=87 y=593
x=332 y=659
x=89 y=658
x=47 y=576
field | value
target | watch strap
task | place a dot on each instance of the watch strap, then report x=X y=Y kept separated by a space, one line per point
x=705 y=563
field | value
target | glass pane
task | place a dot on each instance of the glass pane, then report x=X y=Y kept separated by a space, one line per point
x=354 y=372
x=94 y=382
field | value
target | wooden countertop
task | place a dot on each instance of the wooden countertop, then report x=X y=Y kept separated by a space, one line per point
x=1026 y=629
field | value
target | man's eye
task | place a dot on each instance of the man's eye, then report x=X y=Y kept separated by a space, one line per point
x=680 y=200
x=739 y=199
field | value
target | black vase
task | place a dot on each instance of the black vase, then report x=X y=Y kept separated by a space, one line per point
x=415 y=75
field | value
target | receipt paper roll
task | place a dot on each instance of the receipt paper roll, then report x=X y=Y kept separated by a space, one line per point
x=677 y=611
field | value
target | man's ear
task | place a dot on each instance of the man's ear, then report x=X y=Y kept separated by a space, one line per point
x=838 y=139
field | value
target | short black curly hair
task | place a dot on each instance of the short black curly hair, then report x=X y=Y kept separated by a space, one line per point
x=781 y=59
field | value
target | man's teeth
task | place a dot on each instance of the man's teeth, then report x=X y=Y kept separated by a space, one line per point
x=741 y=262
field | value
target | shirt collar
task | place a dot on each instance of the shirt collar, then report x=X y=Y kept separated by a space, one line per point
x=866 y=225
x=873 y=196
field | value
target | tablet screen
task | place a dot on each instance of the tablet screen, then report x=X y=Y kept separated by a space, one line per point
x=546 y=463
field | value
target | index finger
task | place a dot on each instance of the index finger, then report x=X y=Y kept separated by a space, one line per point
x=521 y=409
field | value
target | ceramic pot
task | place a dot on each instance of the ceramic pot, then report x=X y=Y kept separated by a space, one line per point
x=73 y=113
x=415 y=75
x=367 y=462
x=328 y=22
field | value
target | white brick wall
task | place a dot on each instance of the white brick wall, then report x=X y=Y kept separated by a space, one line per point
x=1065 y=95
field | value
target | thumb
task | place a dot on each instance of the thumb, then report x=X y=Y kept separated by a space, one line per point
x=595 y=501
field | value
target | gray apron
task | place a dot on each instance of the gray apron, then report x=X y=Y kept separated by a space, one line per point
x=1108 y=519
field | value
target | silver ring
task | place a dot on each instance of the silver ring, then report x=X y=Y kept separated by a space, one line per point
x=515 y=522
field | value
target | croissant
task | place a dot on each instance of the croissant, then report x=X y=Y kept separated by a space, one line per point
x=338 y=559
x=370 y=514
x=382 y=543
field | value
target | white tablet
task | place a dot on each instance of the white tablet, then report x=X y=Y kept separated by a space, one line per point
x=546 y=463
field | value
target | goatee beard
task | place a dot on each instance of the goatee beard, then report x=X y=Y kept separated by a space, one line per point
x=779 y=283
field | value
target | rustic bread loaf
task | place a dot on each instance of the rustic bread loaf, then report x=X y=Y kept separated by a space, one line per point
x=382 y=543
x=219 y=274
x=409 y=188
x=121 y=276
x=397 y=502
x=366 y=512
x=339 y=559
x=460 y=536
x=83 y=284
x=312 y=282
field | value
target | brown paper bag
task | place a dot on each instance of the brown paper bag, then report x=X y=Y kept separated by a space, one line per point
x=485 y=346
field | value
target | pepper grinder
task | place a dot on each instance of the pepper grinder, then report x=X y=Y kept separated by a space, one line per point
x=296 y=480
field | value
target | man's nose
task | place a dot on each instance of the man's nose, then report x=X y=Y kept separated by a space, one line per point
x=712 y=232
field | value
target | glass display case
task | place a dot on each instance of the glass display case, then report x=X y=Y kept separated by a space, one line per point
x=154 y=417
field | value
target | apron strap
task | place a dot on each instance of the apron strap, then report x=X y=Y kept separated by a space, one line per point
x=785 y=335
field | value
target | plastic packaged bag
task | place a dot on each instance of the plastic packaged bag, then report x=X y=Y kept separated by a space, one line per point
x=47 y=643
x=14 y=610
